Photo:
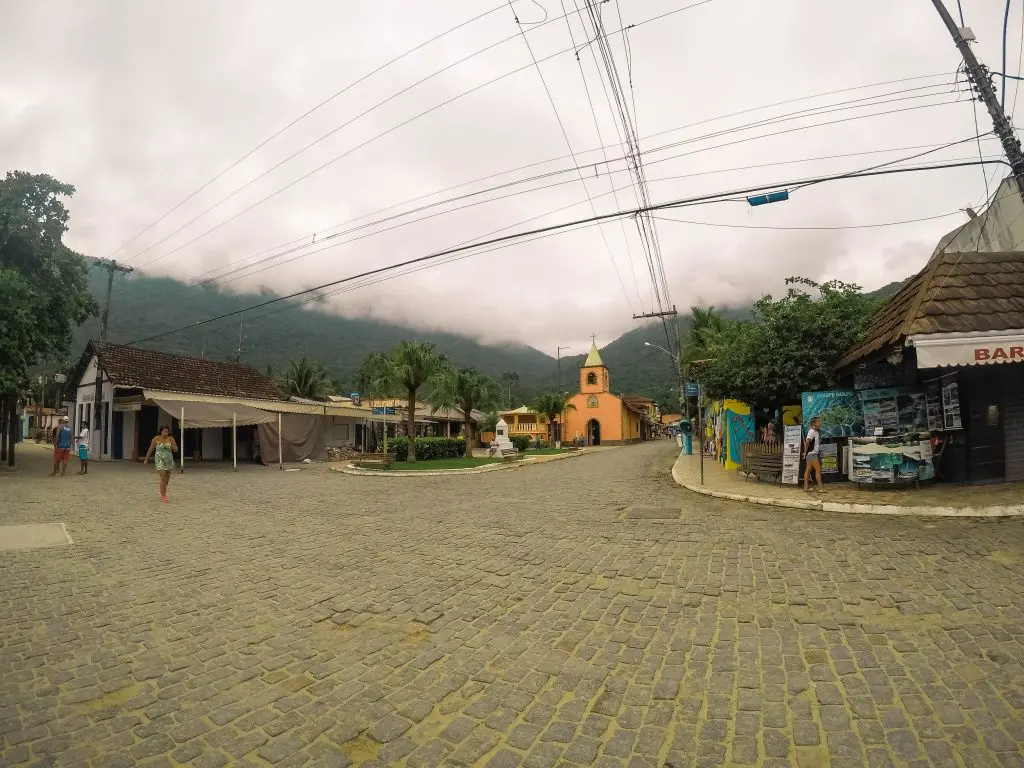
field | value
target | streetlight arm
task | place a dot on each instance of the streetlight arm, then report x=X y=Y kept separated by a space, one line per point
x=649 y=344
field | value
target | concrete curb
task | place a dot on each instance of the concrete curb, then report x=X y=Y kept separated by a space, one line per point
x=1016 y=510
x=352 y=470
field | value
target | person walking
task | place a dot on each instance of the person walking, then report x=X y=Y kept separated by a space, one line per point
x=62 y=440
x=83 y=449
x=164 y=446
x=812 y=449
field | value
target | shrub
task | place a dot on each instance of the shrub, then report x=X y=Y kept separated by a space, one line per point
x=427 y=448
x=520 y=442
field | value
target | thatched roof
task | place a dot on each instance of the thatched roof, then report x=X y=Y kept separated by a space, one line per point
x=971 y=292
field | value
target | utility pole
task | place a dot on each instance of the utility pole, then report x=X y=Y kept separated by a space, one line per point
x=112 y=268
x=978 y=74
x=561 y=392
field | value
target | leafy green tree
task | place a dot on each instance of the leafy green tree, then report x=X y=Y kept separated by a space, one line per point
x=467 y=390
x=706 y=323
x=790 y=345
x=306 y=379
x=552 y=405
x=409 y=367
x=44 y=286
x=489 y=423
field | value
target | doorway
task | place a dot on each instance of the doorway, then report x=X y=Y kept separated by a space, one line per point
x=593 y=432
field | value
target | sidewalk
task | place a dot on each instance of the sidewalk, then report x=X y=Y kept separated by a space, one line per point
x=939 y=499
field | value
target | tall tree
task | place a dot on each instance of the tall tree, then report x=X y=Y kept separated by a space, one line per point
x=509 y=379
x=306 y=379
x=44 y=287
x=706 y=323
x=791 y=344
x=409 y=367
x=553 y=405
x=467 y=390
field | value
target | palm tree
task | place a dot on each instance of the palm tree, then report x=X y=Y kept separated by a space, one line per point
x=706 y=323
x=552 y=405
x=508 y=379
x=467 y=390
x=408 y=367
x=307 y=379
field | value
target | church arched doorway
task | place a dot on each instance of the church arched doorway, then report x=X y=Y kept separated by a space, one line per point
x=593 y=432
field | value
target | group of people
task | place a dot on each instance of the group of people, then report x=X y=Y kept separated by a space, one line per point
x=162 y=448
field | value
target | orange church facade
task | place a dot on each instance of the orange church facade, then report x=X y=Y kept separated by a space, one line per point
x=603 y=418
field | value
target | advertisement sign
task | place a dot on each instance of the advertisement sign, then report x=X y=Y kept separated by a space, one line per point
x=691 y=389
x=839 y=411
x=829 y=459
x=380 y=411
x=792 y=436
x=894 y=408
x=933 y=405
x=885 y=460
x=951 y=404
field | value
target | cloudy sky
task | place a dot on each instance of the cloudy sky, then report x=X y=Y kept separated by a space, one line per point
x=141 y=103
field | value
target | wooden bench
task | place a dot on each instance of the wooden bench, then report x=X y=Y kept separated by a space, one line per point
x=570 y=447
x=761 y=460
x=382 y=460
x=510 y=454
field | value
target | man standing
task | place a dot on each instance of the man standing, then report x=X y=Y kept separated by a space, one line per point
x=812 y=447
x=62 y=447
x=83 y=449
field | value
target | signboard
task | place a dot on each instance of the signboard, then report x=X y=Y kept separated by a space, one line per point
x=951 y=403
x=792 y=436
x=994 y=348
x=380 y=411
x=933 y=405
x=691 y=389
x=355 y=398
x=887 y=459
x=839 y=411
x=829 y=459
x=893 y=408
x=877 y=375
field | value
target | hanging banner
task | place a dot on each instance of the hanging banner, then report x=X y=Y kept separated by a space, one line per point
x=792 y=436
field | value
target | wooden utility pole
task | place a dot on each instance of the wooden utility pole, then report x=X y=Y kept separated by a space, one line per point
x=112 y=268
x=979 y=76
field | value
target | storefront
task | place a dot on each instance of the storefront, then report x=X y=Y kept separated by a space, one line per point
x=946 y=357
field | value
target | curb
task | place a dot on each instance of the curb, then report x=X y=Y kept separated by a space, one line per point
x=349 y=469
x=854 y=509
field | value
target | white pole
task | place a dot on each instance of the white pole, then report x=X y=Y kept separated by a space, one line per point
x=234 y=440
x=280 y=443
x=181 y=448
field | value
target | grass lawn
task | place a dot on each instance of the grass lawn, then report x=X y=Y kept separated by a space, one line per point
x=544 y=451
x=460 y=463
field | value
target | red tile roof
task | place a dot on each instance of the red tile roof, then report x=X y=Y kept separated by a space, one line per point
x=128 y=366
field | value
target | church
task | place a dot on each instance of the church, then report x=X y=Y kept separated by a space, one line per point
x=603 y=418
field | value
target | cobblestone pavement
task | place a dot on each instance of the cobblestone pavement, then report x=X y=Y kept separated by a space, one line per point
x=583 y=612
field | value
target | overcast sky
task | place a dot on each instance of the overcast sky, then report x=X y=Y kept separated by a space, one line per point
x=139 y=103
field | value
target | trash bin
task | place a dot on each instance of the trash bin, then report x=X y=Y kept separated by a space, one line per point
x=688 y=444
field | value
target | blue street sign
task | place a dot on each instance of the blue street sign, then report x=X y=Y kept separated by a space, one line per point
x=691 y=389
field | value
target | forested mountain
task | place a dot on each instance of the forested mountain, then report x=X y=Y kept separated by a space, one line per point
x=146 y=306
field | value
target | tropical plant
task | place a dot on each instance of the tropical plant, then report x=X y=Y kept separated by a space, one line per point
x=409 y=367
x=508 y=380
x=467 y=390
x=790 y=346
x=553 y=405
x=307 y=379
x=706 y=324
x=489 y=423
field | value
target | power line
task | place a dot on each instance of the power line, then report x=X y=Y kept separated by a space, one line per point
x=371 y=140
x=811 y=228
x=568 y=144
x=297 y=120
x=679 y=203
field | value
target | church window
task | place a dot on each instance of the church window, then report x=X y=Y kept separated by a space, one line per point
x=591 y=378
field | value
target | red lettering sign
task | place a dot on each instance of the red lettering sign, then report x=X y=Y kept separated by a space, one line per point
x=1000 y=354
x=981 y=354
x=1016 y=352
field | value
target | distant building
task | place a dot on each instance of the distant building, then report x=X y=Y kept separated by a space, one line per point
x=601 y=417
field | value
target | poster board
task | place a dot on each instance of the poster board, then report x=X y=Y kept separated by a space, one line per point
x=792 y=436
x=951 y=403
x=839 y=410
x=829 y=459
x=933 y=405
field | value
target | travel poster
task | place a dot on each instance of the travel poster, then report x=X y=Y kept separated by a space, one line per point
x=839 y=411
x=829 y=459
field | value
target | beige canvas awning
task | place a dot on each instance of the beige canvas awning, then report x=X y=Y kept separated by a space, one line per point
x=272 y=406
x=202 y=415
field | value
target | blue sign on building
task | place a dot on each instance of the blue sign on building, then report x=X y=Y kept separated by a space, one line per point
x=691 y=389
x=381 y=411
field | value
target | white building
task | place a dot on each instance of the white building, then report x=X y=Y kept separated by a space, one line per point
x=228 y=409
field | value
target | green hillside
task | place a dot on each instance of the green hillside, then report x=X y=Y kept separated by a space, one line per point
x=145 y=306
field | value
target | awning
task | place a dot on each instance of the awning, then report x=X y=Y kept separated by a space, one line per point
x=942 y=350
x=273 y=406
x=199 y=415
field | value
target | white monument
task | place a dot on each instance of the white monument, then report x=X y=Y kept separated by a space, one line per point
x=501 y=440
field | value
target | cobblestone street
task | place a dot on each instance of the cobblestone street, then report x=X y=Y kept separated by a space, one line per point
x=581 y=612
